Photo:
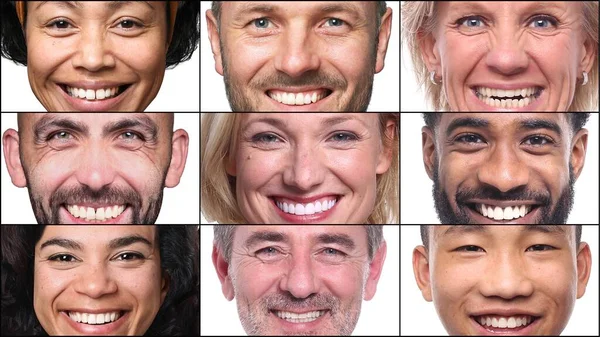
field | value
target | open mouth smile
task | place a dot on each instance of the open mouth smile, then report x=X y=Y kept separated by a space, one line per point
x=108 y=214
x=502 y=213
x=304 y=99
x=94 y=99
x=312 y=211
x=96 y=323
x=519 y=99
x=517 y=325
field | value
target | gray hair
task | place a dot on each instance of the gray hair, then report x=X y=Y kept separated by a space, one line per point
x=224 y=239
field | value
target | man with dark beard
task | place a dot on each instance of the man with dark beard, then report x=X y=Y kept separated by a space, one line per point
x=504 y=168
x=95 y=167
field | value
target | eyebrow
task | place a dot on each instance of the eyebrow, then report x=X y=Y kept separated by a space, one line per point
x=341 y=239
x=137 y=121
x=463 y=229
x=119 y=242
x=112 y=5
x=475 y=6
x=533 y=124
x=471 y=122
x=526 y=124
x=326 y=123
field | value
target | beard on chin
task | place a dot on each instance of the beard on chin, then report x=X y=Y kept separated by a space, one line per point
x=549 y=214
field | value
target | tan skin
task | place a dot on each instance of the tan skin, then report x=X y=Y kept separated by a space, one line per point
x=507 y=159
x=502 y=267
x=128 y=159
x=98 y=277
x=93 y=43
x=303 y=270
x=298 y=47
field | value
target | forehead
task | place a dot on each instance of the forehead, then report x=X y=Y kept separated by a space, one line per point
x=495 y=6
x=313 y=119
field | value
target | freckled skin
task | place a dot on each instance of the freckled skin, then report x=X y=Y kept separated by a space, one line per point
x=505 y=273
x=97 y=279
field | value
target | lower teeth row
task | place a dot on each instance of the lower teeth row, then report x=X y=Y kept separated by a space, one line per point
x=507 y=103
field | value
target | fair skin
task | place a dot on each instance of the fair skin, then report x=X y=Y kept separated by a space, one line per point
x=299 y=48
x=298 y=157
x=509 y=45
x=97 y=161
x=299 y=269
x=81 y=272
x=91 y=46
x=502 y=271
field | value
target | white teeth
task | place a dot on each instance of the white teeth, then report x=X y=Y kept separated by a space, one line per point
x=100 y=214
x=485 y=95
x=508 y=213
x=90 y=94
x=93 y=319
x=306 y=209
x=299 y=318
x=296 y=99
x=505 y=322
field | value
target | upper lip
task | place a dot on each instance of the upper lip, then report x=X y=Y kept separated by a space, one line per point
x=502 y=204
x=505 y=312
x=305 y=200
x=94 y=85
x=507 y=86
x=297 y=312
x=94 y=205
x=94 y=311
x=299 y=89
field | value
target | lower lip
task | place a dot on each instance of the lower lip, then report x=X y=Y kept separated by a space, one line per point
x=101 y=329
x=71 y=219
x=299 y=327
x=317 y=106
x=97 y=105
x=480 y=105
x=491 y=331
x=480 y=219
x=312 y=218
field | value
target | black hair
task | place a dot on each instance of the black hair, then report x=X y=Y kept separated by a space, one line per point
x=576 y=119
x=178 y=315
x=186 y=34
x=425 y=235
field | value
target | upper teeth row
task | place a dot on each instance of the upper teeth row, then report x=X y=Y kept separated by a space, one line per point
x=312 y=314
x=505 y=322
x=506 y=93
x=92 y=94
x=306 y=209
x=296 y=99
x=94 y=318
x=102 y=213
x=507 y=213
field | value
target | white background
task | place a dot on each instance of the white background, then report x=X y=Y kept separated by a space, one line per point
x=180 y=204
x=385 y=85
x=416 y=200
x=378 y=316
x=419 y=317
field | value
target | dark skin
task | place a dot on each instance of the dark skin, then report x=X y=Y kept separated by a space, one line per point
x=504 y=163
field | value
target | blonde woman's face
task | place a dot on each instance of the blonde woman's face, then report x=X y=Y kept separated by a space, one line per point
x=308 y=168
x=510 y=56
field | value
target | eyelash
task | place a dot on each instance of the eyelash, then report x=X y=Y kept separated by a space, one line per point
x=52 y=135
x=64 y=21
x=254 y=21
x=464 y=248
x=57 y=257
x=553 y=21
x=460 y=139
x=275 y=250
x=259 y=138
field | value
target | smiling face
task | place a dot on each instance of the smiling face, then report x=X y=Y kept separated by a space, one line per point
x=81 y=272
x=293 y=56
x=503 y=168
x=516 y=56
x=83 y=168
x=507 y=275
x=308 y=168
x=96 y=56
x=300 y=280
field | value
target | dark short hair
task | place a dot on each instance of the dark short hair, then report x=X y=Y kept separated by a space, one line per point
x=425 y=235
x=179 y=259
x=186 y=34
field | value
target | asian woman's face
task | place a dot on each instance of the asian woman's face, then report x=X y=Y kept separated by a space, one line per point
x=97 y=280
x=308 y=168
x=96 y=56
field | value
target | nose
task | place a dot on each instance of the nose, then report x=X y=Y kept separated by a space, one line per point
x=503 y=169
x=95 y=282
x=95 y=170
x=506 y=278
x=93 y=53
x=297 y=53
x=305 y=172
x=300 y=280
x=507 y=55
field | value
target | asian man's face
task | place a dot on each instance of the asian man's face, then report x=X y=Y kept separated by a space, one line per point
x=299 y=55
x=504 y=168
x=503 y=280
x=299 y=280
x=95 y=167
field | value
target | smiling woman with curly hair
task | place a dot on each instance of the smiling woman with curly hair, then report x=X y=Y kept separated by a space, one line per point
x=118 y=280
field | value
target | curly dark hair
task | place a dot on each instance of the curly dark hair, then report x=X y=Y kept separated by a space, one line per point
x=186 y=35
x=179 y=314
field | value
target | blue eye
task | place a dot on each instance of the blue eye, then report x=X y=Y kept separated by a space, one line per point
x=333 y=22
x=261 y=23
x=543 y=21
x=471 y=22
x=343 y=137
x=61 y=136
x=265 y=138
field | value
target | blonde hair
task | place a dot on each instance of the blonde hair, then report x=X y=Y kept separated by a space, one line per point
x=419 y=19
x=218 y=143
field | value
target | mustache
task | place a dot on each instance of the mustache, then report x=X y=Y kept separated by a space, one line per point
x=106 y=195
x=311 y=78
x=520 y=193
x=289 y=303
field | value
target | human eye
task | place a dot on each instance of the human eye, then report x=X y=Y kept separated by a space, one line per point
x=129 y=24
x=470 y=249
x=331 y=255
x=261 y=23
x=59 y=24
x=540 y=248
x=62 y=258
x=265 y=138
x=60 y=136
x=130 y=136
x=473 y=21
x=129 y=256
x=335 y=22
x=343 y=137
x=543 y=21
x=469 y=139
x=538 y=140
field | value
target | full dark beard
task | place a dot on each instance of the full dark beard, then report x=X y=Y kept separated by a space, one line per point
x=558 y=215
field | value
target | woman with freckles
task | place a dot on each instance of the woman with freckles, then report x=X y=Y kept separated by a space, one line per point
x=98 y=55
x=504 y=55
x=100 y=280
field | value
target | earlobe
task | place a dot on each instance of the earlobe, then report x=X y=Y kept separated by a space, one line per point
x=179 y=153
x=11 y=143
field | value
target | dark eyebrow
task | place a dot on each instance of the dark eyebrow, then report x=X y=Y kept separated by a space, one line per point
x=48 y=121
x=547 y=229
x=62 y=242
x=462 y=229
x=141 y=121
x=249 y=8
x=466 y=122
x=341 y=239
x=262 y=236
x=112 y=5
x=113 y=244
x=533 y=124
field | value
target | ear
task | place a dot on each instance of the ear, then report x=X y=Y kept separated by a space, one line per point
x=11 y=144
x=584 y=265
x=578 y=151
x=431 y=55
x=215 y=40
x=429 y=156
x=164 y=288
x=222 y=268
x=230 y=167
x=588 y=54
x=421 y=270
x=385 y=158
x=385 y=31
x=180 y=144
x=375 y=268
